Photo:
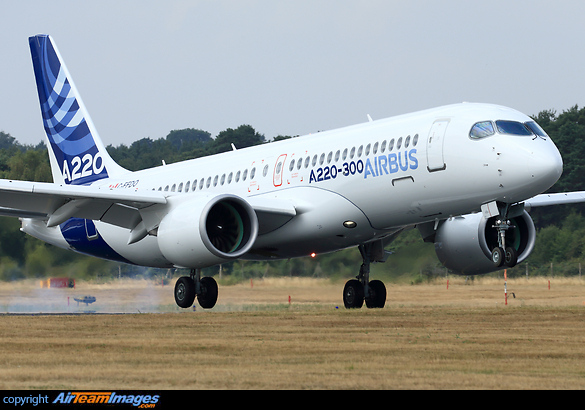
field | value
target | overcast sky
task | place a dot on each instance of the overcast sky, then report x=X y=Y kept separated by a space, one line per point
x=289 y=67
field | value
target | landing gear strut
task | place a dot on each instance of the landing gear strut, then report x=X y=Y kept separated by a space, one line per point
x=360 y=289
x=188 y=287
x=502 y=254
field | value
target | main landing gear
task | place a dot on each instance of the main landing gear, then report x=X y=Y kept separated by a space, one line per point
x=187 y=287
x=361 y=289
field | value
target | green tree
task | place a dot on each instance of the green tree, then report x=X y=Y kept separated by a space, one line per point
x=187 y=138
x=30 y=165
x=242 y=137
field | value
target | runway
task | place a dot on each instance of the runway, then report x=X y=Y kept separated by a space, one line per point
x=428 y=337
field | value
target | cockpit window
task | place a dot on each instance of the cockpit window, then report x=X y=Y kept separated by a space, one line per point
x=535 y=128
x=486 y=128
x=482 y=130
x=513 y=128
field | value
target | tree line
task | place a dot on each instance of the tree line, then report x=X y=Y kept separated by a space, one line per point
x=560 y=230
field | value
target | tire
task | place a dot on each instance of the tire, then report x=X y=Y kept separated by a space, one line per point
x=510 y=257
x=185 y=292
x=209 y=292
x=377 y=298
x=498 y=257
x=353 y=294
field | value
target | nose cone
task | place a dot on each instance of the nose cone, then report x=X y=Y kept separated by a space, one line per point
x=532 y=167
x=546 y=165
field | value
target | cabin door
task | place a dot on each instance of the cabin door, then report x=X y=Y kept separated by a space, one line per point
x=435 y=140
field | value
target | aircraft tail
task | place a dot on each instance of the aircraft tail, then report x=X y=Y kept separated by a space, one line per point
x=76 y=151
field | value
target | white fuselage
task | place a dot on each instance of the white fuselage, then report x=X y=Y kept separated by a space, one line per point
x=381 y=175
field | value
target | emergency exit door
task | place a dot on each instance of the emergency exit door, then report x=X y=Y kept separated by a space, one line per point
x=278 y=170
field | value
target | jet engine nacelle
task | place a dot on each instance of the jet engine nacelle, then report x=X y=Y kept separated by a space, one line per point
x=204 y=232
x=464 y=244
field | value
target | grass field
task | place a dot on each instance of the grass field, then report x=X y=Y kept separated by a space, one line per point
x=429 y=336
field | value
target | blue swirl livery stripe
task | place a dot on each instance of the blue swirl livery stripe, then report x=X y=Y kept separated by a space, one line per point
x=82 y=235
x=64 y=118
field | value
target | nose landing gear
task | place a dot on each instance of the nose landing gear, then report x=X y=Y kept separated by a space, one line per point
x=502 y=254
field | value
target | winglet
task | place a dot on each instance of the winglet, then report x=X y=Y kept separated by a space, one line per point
x=77 y=154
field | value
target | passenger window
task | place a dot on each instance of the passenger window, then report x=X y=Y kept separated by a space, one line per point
x=292 y=165
x=399 y=143
x=368 y=150
x=375 y=149
x=230 y=176
x=415 y=140
x=322 y=159
x=337 y=155
x=407 y=142
x=307 y=162
x=222 y=181
x=383 y=147
x=180 y=187
x=344 y=157
x=329 y=157
x=238 y=176
x=265 y=171
x=352 y=153
x=300 y=163
x=360 y=150
x=314 y=160
x=391 y=145
x=245 y=175
x=482 y=130
x=187 y=185
x=166 y=188
x=253 y=173
x=208 y=184
x=201 y=183
x=173 y=187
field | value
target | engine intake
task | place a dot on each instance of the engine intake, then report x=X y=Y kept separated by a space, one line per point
x=464 y=244
x=205 y=232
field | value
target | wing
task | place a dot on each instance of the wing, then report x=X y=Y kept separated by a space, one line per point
x=126 y=208
x=272 y=213
x=563 y=198
x=57 y=203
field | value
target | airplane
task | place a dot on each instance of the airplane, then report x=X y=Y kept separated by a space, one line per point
x=465 y=175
